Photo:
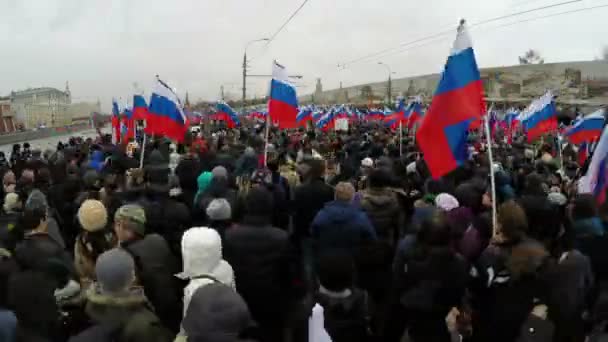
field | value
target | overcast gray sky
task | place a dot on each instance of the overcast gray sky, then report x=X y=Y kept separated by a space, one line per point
x=103 y=46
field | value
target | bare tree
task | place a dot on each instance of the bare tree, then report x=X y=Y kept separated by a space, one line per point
x=531 y=57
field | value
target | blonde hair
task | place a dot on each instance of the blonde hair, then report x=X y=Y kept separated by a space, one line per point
x=344 y=192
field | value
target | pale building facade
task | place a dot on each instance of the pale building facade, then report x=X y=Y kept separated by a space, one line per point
x=37 y=107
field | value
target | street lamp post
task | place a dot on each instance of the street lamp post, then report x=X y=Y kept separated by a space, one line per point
x=245 y=69
x=389 y=91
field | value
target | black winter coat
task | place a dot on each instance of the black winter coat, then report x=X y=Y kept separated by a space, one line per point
x=309 y=199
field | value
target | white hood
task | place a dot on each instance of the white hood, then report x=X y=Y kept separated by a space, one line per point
x=202 y=256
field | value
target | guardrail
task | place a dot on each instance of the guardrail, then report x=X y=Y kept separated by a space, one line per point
x=13 y=138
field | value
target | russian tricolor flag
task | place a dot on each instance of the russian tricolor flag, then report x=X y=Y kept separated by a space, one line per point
x=140 y=107
x=415 y=113
x=166 y=113
x=595 y=181
x=587 y=129
x=115 y=122
x=540 y=117
x=305 y=114
x=283 y=104
x=227 y=114
x=457 y=102
x=128 y=128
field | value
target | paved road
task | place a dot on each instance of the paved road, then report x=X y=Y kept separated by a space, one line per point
x=51 y=142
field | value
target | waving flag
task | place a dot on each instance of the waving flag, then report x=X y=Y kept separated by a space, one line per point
x=540 y=117
x=415 y=113
x=140 y=107
x=458 y=100
x=586 y=129
x=283 y=104
x=166 y=112
x=227 y=114
x=115 y=122
x=128 y=126
x=595 y=180
x=305 y=114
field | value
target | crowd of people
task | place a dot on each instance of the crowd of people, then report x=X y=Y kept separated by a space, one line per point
x=226 y=238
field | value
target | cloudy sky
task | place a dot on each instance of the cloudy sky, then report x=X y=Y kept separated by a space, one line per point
x=103 y=47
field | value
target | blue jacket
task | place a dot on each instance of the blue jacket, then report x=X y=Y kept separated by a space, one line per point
x=341 y=225
x=8 y=324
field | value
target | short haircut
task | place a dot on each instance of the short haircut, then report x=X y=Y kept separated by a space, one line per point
x=345 y=192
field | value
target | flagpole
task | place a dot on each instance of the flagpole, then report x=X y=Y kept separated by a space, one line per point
x=268 y=121
x=400 y=139
x=492 y=180
x=143 y=149
x=559 y=147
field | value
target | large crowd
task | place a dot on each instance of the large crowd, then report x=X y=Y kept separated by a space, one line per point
x=229 y=237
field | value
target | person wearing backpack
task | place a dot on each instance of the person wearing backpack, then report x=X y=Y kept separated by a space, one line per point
x=155 y=265
x=118 y=308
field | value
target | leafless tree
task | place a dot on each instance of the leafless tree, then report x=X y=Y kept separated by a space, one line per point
x=531 y=57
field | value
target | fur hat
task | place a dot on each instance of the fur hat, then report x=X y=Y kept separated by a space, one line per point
x=92 y=215
x=219 y=210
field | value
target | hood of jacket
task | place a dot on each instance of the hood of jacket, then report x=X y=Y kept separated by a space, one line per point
x=203 y=263
x=108 y=309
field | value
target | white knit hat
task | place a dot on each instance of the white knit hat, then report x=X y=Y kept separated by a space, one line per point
x=92 y=215
x=219 y=210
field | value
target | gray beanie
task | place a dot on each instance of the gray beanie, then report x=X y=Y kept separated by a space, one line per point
x=219 y=210
x=219 y=172
x=115 y=271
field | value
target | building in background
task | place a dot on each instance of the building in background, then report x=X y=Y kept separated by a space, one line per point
x=42 y=107
x=6 y=116
x=83 y=112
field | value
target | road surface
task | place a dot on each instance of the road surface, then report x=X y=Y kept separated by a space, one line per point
x=51 y=142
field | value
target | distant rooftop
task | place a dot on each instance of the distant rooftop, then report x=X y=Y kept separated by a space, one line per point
x=31 y=91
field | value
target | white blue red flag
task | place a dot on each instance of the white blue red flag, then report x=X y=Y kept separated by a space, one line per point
x=586 y=129
x=283 y=103
x=166 y=112
x=540 y=117
x=225 y=113
x=595 y=181
x=457 y=102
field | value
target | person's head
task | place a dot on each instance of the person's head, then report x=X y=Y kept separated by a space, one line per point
x=259 y=203
x=345 y=192
x=220 y=172
x=446 y=202
x=12 y=203
x=92 y=216
x=130 y=222
x=367 y=165
x=336 y=271
x=201 y=252
x=35 y=214
x=216 y=312
x=115 y=272
x=219 y=210
x=512 y=221
x=435 y=230
x=31 y=298
x=379 y=178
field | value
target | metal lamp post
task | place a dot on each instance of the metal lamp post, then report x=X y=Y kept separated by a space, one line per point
x=245 y=69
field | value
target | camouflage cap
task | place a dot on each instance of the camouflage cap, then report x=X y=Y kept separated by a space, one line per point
x=135 y=214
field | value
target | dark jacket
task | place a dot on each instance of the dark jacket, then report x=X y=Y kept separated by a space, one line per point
x=39 y=251
x=382 y=208
x=129 y=318
x=261 y=258
x=346 y=317
x=341 y=225
x=156 y=267
x=9 y=230
x=188 y=170
x=309 y=199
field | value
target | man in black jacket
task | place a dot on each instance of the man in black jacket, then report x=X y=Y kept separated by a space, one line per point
x=260 y=256
x=309 y=199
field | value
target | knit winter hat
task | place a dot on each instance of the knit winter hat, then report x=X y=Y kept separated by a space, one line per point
x=219 y=210
x=134 y=214
x=219 y=172
x=92 y=215
x=345 y=192
x=115 y=271
x=446 y=202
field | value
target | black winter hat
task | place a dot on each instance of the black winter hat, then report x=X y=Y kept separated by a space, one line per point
x=259 y=202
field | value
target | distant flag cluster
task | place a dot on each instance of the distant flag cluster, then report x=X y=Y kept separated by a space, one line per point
x=225 y=113
x=586 y=129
